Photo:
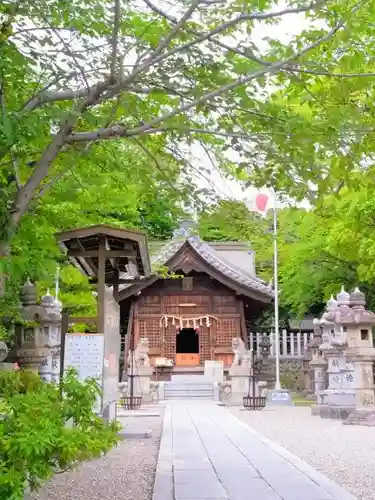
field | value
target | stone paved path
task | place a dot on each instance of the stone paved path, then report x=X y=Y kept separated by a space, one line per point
x=207 y=453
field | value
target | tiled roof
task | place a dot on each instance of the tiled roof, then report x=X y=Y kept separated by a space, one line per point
x=213 y=259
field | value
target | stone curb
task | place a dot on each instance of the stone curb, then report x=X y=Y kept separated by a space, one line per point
x=164 y=484
x=318 y=478
x=136 y=414
x=129 y=434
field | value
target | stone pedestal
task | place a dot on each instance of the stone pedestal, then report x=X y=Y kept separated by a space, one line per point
x=214 y=371
x=239 y=384
x=364 y=414
x=161 y=391
x=142 y=383
x=338 y=400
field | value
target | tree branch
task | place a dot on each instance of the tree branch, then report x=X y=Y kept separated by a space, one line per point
x=29 y=190
x=4 y=115
x=115 y=32
x=157 y=57
x=293 y=69
x=179 y=25
x=154 y=159
x=121 y=131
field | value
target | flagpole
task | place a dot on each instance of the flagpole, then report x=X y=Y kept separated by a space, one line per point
x=276 y=290
x=57 y=284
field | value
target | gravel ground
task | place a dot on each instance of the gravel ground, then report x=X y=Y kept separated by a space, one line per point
x=346 y=454
x=126 y=473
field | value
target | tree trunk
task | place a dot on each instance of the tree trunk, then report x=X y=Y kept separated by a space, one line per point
x=4 y=254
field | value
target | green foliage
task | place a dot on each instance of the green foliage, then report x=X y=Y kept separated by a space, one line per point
x=291 y=377
x=165 y=85
x=320 y=249
x=165 y=88
x=127 y=193
x=42 y=433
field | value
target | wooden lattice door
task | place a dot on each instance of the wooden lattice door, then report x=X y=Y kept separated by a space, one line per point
x=150 y=328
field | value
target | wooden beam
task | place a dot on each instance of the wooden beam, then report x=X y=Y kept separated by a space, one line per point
x=120 y=281
x=108 y=254
x=88 y=264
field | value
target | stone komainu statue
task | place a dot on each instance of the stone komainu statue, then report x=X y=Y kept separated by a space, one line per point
x=140 y=354
x=241 y=354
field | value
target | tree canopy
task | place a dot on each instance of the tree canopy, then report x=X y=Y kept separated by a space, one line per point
x=320 y=249
x=76 y=73
x=88 y=86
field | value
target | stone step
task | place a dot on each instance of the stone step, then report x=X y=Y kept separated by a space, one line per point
x=195 y=386
x=189 y=379
x=189 y=389
x=183 y=397
x=189 y=393
x=198 y=388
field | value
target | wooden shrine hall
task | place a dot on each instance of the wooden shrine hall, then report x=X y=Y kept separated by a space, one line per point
x=193 y=318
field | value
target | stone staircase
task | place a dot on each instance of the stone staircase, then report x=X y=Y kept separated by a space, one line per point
x=189 y=387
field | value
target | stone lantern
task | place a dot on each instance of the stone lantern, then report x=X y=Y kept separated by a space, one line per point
x=360 y=353
x=337 y=400
x=38 y=339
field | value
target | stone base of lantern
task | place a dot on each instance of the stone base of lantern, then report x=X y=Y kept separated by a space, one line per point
x=332 y=412
x=335 y=404
x=362 y=416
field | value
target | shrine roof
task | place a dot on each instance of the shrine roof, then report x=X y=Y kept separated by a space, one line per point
x=122 y=247
x=217 y=260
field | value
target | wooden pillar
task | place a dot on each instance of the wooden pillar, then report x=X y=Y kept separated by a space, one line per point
x=244 y=335
x=101 y=285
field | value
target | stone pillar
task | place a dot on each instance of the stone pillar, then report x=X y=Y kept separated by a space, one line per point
x=361 y=353
x=318 y=367
x=39 y=338
x=111 y=362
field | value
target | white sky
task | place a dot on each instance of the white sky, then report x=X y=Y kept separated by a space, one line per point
x=290 y=25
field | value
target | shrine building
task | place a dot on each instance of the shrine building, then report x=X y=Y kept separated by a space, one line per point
x=212 y=297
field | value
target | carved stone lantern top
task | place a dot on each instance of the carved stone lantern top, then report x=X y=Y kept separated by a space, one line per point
x=47 y=300
x=331 y=304
x=29 y=295
x=343 y=298
x=358 y=299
